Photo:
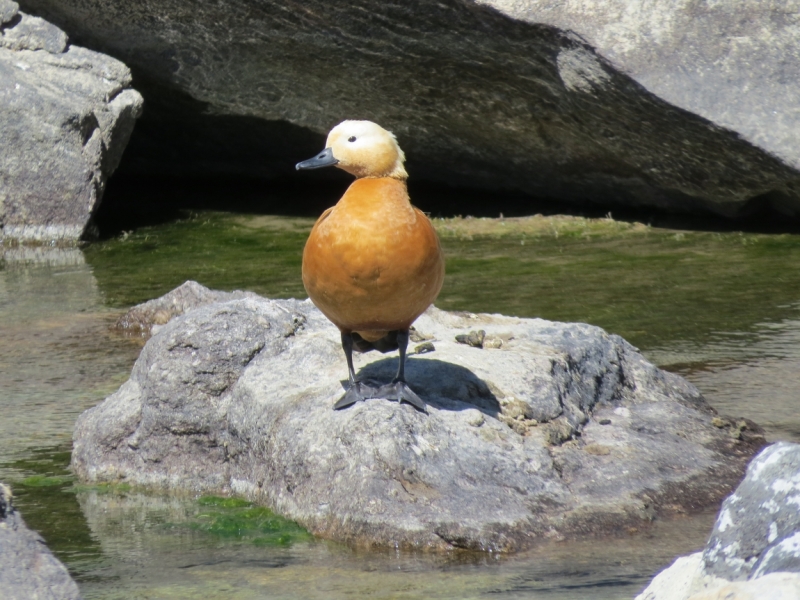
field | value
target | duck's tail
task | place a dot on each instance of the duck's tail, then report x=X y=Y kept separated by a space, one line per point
x=385 y=344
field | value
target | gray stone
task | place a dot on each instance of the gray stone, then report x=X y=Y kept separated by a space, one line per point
x=758 y=528
x=33 y=33
x=66 y=114
x=237 y=397
x=145 y=318
x=28 y=570
x=686 y=580
x=8 y=10
x=478 y=95
x=783 y=556
x=754 y=548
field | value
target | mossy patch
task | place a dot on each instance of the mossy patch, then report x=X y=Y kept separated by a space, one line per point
x=235 y=517
x=45 y=480
x=647 y=284
x=223 y=502
x=44 y=493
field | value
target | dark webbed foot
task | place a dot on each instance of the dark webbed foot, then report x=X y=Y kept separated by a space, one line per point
x=398 y=390
x=357 y=392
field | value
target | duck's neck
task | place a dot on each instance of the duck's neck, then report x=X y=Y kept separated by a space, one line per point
x=395 y=171
x=398 y=172
x=371 y=192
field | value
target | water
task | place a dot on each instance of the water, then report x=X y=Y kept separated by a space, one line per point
x=719 y=308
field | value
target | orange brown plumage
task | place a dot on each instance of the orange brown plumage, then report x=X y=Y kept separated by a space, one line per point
x=372 y=263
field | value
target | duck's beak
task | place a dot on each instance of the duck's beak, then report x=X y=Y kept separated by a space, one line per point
x=323 y=159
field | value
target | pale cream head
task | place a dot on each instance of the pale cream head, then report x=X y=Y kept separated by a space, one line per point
x=365 y=149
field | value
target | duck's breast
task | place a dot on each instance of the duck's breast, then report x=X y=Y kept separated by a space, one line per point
x=373 y=261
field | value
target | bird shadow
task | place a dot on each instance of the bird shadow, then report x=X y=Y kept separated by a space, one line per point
x=440 y=384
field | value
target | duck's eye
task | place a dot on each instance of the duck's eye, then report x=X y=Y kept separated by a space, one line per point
x=352 y=138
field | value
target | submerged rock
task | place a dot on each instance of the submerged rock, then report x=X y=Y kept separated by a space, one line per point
x=564 y=431
x=66 y=114
x=498 y=94
x=28 y=570
x=754 y=548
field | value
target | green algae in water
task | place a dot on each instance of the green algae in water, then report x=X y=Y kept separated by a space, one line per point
x=223 y=502
x=261 y=254
x=650 y=285
x=236 y=517
x=45 y=481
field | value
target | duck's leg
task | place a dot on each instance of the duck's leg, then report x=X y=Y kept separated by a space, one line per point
x=398 y=390
x=357 y=391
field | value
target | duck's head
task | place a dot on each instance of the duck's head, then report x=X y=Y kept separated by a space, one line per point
x=361 y=148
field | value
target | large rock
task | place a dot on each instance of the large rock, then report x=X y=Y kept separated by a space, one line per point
x=725 y=61
x=66 y=114
x=539 y=430
x=754 y=548
x=478 y=95
x=28 y=570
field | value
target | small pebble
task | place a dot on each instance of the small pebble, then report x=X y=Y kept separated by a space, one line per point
x=493 y=342
x=605 y=421
x=417 y=336
x=473 y=338
x=475 y=418
x=424 y=348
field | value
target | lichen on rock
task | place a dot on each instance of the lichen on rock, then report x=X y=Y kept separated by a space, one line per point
x=754 y=548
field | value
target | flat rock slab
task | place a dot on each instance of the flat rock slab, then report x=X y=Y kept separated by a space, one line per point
x=543 y=430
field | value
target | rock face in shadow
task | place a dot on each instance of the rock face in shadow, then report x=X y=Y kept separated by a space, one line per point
x=28 y=569
x=66 y=114
x=754 y=548
x=477 y=95
x=547 y=431
x=725 y=61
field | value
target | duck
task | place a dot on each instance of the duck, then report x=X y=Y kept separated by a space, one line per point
x=372 y=263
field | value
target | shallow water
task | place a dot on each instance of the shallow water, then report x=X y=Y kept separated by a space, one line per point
x=721 y=309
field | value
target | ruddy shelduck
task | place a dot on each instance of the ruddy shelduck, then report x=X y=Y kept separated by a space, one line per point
x=372 y=263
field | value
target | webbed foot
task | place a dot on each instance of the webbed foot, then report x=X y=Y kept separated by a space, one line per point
x=357 y=392
x=398 y=390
